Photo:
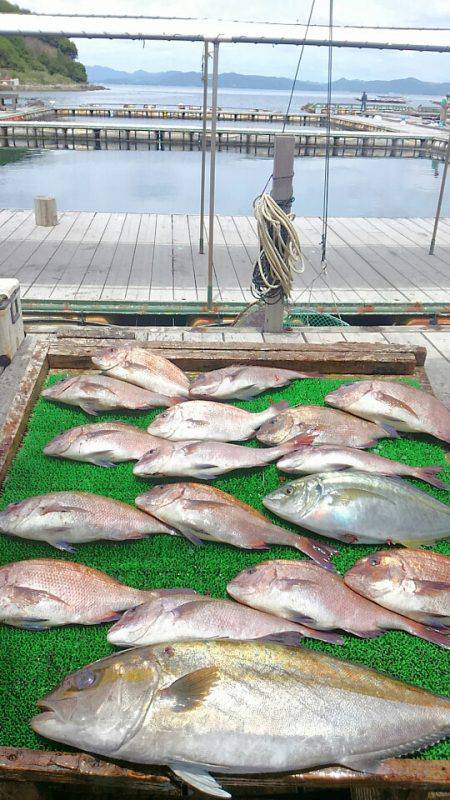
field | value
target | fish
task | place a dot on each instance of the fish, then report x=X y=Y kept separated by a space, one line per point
x=143 y=368
x=97 y=393
x=241 y=382
x=65 y=518
x=207 y=460
x=181 y=618
x=239 y=708
x=305 y=593
x=398 y=404
x=202 y=512
x=103 y=443
x=43 y=593
x=323 y=458
x=357 y=507
x=326 y=425
x=202 y=420
x=415 y=583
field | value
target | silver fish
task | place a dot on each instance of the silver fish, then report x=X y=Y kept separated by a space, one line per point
x=324 y=458
x=357 y=507
x=182 y=618
x=41 y=593
x=98 y=393
x=103 y=443
x=326 y=425
x=303 y=592
x=202 y=512
x=239 y=708
x=415 y=583
x=207 y=460
x=398 y=404
x=65 y=518
x=202 y=420
x=241 y=382
x=143 y=368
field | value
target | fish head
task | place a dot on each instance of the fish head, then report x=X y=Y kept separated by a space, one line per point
x=153 y=462
x=159 y=497
x=56 y=391
x=13 y=516
x=377 y=571
x=347 y=395
x=61 y=443
x=295 y=499
x=278 y=429
x=166 y=423
x=110 y=358
x=253 y=581
x=101 y=706
x=205 y=385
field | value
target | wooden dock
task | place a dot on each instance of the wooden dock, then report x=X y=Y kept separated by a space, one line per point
x=99 y=135
x=150 y=262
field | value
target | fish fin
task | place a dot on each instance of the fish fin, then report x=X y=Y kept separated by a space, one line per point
x=189 y=691
x=417 y=542
x=348 y=495
x=384 y=397
x=103 y=462
x=300 y=619
x=327 y=636
x=441 y=638
x=289 y=583
x=198 y=423
x=100 y=433
x=393 y=433
x=171 y=592
x=28 y=595
x=196 y=776
x=203 y=467
x=288 y=638
x=282 y=405
x=373 y=633
x=319 y=553
x=184 y=610
x=422 y=587
x=60 y=508
x=111 y=616
x=63 y=546
x=428 y=474
x=365 y=762
x=30 y=624
x=89 y=408
x=175 y=399
x=192 y=537
x=201 y=505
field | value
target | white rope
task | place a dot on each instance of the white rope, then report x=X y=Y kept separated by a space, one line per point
x=280 y=244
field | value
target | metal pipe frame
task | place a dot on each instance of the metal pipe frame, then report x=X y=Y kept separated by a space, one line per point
x=212 y=172
x=201 y=246
x=440 y=200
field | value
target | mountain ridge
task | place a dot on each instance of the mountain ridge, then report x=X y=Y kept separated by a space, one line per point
x=235 y=80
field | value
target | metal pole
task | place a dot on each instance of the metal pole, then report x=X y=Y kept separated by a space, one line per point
x=212 y=171
x=283 y=173
x=441 y=197
x=205 y=112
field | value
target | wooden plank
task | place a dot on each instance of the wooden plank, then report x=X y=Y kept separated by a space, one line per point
x=326 y=337
x=200 y=261
x=69 y=282
x=29 y=272
x=104 y=332
x=91 y=286
x=13 y=223
x=441 y=341
x=141 y=269
x=227 y=278
x=116 y=281
x=62 y=260
x=162 y=275
x=184 y=286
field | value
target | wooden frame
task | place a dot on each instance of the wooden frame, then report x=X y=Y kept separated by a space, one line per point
x=19 y=764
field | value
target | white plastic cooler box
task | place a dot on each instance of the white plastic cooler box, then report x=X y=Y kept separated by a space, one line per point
x=11 y=323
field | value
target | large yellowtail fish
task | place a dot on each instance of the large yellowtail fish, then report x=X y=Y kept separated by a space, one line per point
x=239 y=708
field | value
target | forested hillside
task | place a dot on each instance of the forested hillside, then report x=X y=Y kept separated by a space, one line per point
x=43 y=60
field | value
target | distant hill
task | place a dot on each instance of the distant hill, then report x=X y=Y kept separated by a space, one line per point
x=234 y=80
x=42 y=60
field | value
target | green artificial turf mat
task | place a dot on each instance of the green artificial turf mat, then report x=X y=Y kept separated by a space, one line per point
x=31 y=664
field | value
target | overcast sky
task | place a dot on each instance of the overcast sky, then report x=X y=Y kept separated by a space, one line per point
x=264 y=59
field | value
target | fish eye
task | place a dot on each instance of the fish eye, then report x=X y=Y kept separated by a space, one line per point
x=85 y=679
x=251 y=571
x=373 y=562
x=288 y=490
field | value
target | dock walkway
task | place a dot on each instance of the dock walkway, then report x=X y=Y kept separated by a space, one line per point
x=147 y=261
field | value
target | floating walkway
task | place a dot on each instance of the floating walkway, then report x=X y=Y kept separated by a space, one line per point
x=51 y=135
x=150 y=263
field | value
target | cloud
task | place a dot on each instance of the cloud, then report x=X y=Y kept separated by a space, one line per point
x=262 y=59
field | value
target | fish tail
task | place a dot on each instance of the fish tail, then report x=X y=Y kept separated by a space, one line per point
x=293 y=444
x=428 y=474
x=429 y=634
x=319 y=552
x=391 y=432
x=173 y=401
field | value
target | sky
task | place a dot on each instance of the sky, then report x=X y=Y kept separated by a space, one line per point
x=264 y=59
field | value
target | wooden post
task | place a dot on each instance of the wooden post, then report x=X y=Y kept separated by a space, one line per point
x=45 y=211
x=283 y=173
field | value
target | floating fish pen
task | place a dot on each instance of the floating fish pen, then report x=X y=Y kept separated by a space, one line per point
x=32 y=663
x=311 y=142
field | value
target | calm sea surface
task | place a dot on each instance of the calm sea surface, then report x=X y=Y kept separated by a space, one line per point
x=168 y=182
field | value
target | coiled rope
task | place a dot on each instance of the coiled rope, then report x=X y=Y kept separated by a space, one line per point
x=280 y=257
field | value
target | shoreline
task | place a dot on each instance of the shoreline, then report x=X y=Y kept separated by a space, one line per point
x=60 y=87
